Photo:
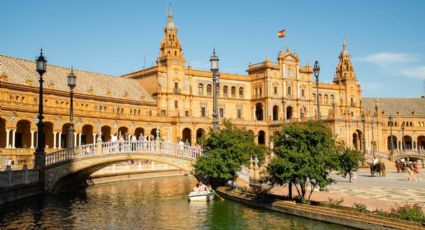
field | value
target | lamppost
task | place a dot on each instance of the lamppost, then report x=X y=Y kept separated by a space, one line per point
x=214 y=69
x=363 y=118
x=72 y=79
x=39 y=152
x=390 y=121
x=316 y=71
x=373 y=138
x=402 y=137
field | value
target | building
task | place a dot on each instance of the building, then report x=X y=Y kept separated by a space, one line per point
x=174 y=101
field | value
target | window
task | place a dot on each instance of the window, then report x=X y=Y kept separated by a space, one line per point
x=233 y=90
x=186 y=113
x=209 y=89
x=225 y=88
x=239 y=113
x=259 y=92
x=221 y=111
x=289 y=91
x=176 y=104
x=275 y=90
x=163 y=113
x=302 y=93
x=203 y=112
x=200 y=89
x=241 y=92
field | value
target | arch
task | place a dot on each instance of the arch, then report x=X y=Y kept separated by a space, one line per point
x=200 y=135
x=394 y=142
x=139 y=132
x=200 y=89
x=357 y=140
x=240 y=91
x=261 y=137
x=3 y=133
x=23 y=134
x=259 y=112
x=408 y=143
x=64 y=142
x=87 y=135
x=187 y=136
x=209 y=89
x=153 y=133
x=106 y=133
x=275 y=113
x=289 y=91
x=421 y=143
x=289 y=112
x=123 y=132
x=233 y=91
x=48 y=134
x=225 y=89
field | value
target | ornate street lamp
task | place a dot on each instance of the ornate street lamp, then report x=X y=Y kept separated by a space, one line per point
x=373 y=136
x=214 y=69
x=363 y=119
x=72 y=79
x=402 y=137
x=316 y=71
x=390 y=121
x=39 y=152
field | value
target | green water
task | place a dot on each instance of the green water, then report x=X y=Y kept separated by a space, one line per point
x=159 y=203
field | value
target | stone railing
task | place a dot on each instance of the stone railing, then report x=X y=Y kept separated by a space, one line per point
x=19 y=177
x=412 y=152
x=133 y=168
x=145 y=147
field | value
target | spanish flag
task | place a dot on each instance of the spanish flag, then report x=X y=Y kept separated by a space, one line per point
x=281 y=33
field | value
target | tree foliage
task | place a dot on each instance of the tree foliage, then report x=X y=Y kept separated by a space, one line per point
x=225 y=151
x=349 y=162
x=305 y=154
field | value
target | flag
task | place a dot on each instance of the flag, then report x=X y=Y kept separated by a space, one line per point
x=281 y=33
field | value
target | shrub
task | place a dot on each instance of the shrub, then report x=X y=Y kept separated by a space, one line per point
x=408 y=212
x=331 y=203
x=360 y=208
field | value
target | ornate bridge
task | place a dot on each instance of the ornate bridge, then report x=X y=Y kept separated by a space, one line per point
x=412 y=154
x=83 y=160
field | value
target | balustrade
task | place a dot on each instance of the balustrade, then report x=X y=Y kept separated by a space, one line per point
x=143 y=147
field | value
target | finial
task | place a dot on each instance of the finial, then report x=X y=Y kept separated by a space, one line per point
x=170 y=12
x=41 y=52
x=72 y=69
x=344 y=44
x=213 y=51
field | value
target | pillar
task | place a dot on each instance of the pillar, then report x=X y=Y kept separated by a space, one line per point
x=13 y=138
x=60 y=139
x=32 y=138
x=7 y=138
x=54 y=139
x=75 y=139
x=79 y=139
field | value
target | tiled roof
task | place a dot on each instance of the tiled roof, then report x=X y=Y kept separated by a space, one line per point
x=402 y=106
x=19 y=71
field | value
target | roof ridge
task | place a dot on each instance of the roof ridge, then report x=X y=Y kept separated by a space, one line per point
x=57 y=66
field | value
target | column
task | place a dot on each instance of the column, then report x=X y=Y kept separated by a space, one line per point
x=54 y=139
x=32 y=138
x=60 y=140
x=13 y=138
x=79 y=140
x=253 y=112
x=75 y=139
x=7 y=138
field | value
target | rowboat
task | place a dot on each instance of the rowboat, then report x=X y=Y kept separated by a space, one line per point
x=201 y=195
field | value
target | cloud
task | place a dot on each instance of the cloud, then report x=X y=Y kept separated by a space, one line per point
x=414 y=72
x=384 y=58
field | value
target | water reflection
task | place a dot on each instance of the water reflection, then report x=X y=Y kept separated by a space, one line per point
x=159 y=203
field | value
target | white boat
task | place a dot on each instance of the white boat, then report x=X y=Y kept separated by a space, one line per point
x=201 y=195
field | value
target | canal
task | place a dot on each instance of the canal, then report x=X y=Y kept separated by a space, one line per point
x=158 y=203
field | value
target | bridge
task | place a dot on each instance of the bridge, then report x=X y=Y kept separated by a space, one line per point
x=81 y=161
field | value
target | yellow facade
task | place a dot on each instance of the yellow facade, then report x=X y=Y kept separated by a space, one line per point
x=177 y=100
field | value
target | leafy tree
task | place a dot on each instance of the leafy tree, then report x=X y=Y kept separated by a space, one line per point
x=349 y=162
x=305 y=154
x=225 y=151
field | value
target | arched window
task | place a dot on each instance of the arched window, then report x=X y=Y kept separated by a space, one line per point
x=302 y=93
x=233 y=91
x=289 y=91
x=326 y=99
x=225 y=89
x=200 y=89
x=241 y=92
x=209 y=89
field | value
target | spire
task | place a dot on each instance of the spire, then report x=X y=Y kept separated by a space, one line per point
x=170 y=44
x=344 y=69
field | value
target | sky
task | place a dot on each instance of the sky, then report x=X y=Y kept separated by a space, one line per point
x=384 y=37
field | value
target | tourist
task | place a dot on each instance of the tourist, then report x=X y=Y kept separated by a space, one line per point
x=415 y=170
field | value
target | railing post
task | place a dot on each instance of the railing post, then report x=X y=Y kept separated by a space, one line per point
x=157 y=145
x=99 y=147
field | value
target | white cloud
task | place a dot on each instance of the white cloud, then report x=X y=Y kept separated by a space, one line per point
x=414 y=72
x=384 y=58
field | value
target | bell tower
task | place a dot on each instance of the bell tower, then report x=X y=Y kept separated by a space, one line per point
x=170 y=48
x=344 y=69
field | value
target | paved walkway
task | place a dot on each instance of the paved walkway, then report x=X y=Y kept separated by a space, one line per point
x=374 y=192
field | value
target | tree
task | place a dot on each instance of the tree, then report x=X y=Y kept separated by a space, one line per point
x=226 y=150
x=349 y=162
x=305 y=154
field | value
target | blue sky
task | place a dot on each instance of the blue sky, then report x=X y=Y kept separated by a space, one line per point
x=385 y=37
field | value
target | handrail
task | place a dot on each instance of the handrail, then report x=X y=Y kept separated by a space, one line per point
x=108 y=148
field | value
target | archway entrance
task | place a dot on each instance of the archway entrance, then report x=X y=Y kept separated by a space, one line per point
x=357 y=140
x=123 y=133
x=289 y=112
x=87 y=135
x=259 y=112
x=64 y=142
x=2 y=133
x=261 y=137
x=23 y=134
x=48 y=135
x=275 y=113
x=106 y=133
x=154 y=133
x=187 y=136
x=139 y=132
x=200 y=134
x=421 y=143
x=394 y=142
x=408 y=144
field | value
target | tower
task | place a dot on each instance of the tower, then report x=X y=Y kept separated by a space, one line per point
x=170 y=48
x=344 y=69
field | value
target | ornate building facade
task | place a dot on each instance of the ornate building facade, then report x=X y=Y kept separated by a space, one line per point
x=176 y=100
